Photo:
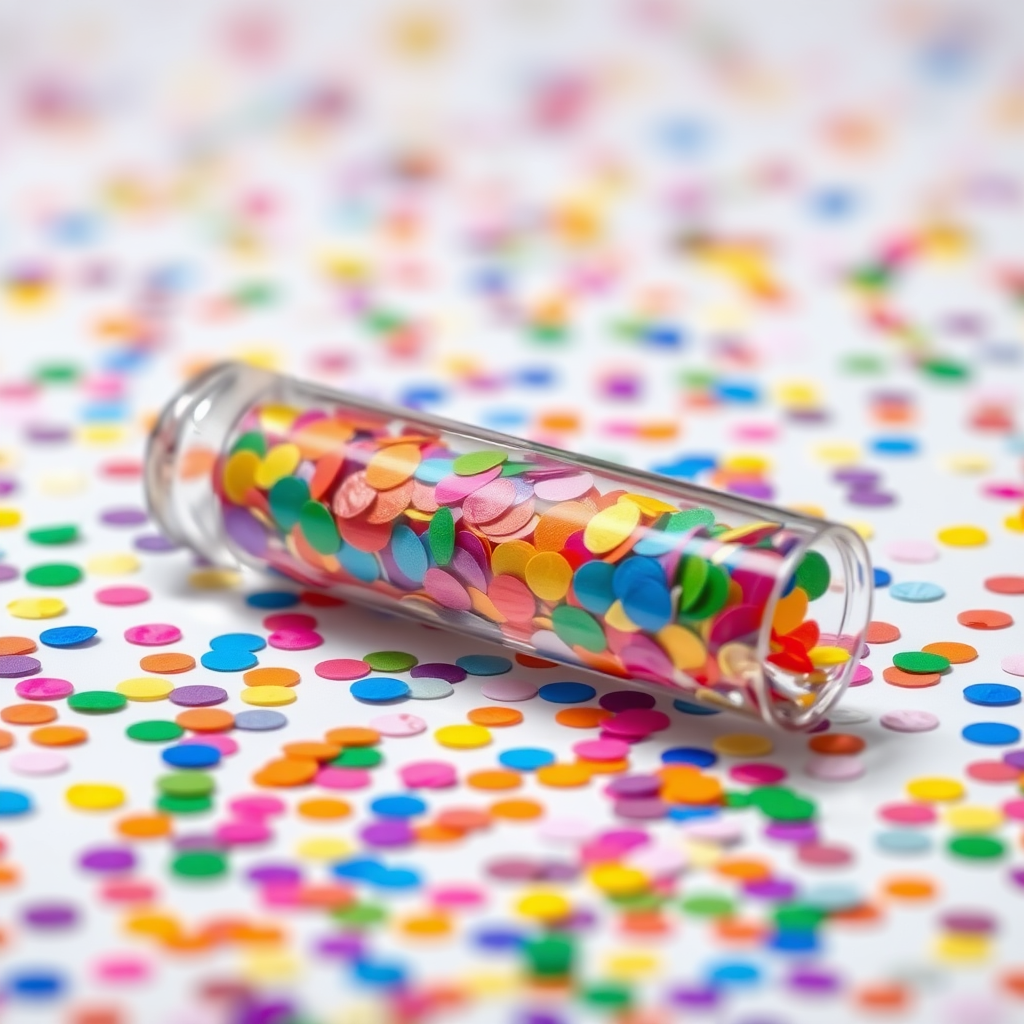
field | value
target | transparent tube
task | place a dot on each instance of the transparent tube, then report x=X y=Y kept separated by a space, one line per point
x=729 y=603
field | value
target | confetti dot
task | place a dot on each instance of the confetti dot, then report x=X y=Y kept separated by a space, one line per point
x=343 y=669
x=67 y=636
x=463 y=737
x=97 y=702
x=984 y=618
x=229 y=659
x=963 y=536
x=152 y=634
x=36 y=608
x=268 y=696
x=484 y=664
x=145 y=689
x=566 y=693
x=378 y=689
x=917 y=592
x=991 y=733
x=95 y=796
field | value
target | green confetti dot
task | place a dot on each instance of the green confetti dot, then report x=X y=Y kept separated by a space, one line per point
x=813 y=574
x=186 y=783
x=199 y=864
x=97 y=702
x=800 y=917
x=154 y=731
x=286 y=499
x=550 y=956
x=391 y=661
x=608 y=995
x=360 y=915
x=713 y=595
x=53 y=574
x=516 y=468
x=578 y=629
x=441 y=535
x=679 y=522
x=977 y=847
x=478 y=462
x=782 y=804
x=708 y=904
x=920 y=661
x=58 y=373
x=358 y=757
x=945 y=369
x=318 y=528
x=51 y=535
x=253 y=441
x=184 y=804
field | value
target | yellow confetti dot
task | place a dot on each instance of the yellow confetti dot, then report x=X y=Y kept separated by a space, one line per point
x=282 y=460
x=649 y=506
x=814 y=511
x=968 y=462
x=121 y=563
x=962 y=947
x=701 y=854
x=610 y=527
x=63 y=484
x=324 y=848
x=145 y=688
x=94 y=796
x=617 y=618
x=742 y=744
x=746 y=464
x=1014 y=523
x=548 y=575
x=544 y=905
x=823 y=657
x=463 y=737
x=102 y=434
x=37 y=607
x=963 y=536
x=632 y=963
x=278 y=419
x=270 y=964
x=239 y=473
x=268 y=696
x=934 y=789
x=971 y=818
x=837 y=453
x=511 y=558
x=619 y=880
x=684 y=647
x=862 y=528
x=214 y=579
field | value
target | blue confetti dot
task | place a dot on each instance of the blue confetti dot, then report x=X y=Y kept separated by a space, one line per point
x=13 y=802
x=992 y=695
x=272 y=599
x=689 y=708
x=592 y=585
x=680 y=812
x=260 y=720
x=230 y=659
x=484 y=664
x=734 y=972
x=38 y=983
x=379 y=972
x=402 y=806
x=688 y=467
x=792 y=940
x=882 y=577
x=66 y=636
x=917 y=592
x=901 y=840
x=376 y=689
x=191 y=755
x=991 y=734
x=689 y=755
x=526 y=759
x=566 y=693
x=895 y=446
x=237 y=641
x=497 y=938
x=360 y=564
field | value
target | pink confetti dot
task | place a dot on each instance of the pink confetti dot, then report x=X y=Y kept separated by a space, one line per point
x=289 y=620
x=344 y=669
x=152 y=634
x=1014 y=664
x=294 y=639
x=601 y=750
x=861 y=675
x=122 y=595
x=428 y=775
x=754 y=774
x=245 y=832
x=44 y=688
x=398 y=725
x=993 y=771
x=343 y=778
x=121 y=968
x=908 y=814
x=257 y=806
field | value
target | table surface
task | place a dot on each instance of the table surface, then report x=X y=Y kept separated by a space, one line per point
x=774 y=244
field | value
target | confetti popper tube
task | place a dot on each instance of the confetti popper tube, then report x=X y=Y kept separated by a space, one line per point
x=730 y=604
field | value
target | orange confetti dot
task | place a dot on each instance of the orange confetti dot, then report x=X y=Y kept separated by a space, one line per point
x=494 y=778
x=836 y=743
x=206 y=720
x=434 y=833
x=28 y=714
x=910 y=887
x=9 y=874
x=353 y=736
x=6 y=739
x=955 y=653
x=324 y=808
x=984 y=618
x=311 y=749
x=604 y=767
x=464 y=819
x=58 y=736
x=692 y=788
x=532 y=661
x=287 y=772
x=909 y=680
x=168 y=663
x=517 y=810
x=884 y=995
x=582 y=718
x=881 y=633
x=563 y=776
x=145 y=826
x=17 y=645
x=271 y=677
x=746 y=869
x=495 y=716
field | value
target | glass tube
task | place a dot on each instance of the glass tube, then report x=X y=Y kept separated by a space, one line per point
x=731 y=604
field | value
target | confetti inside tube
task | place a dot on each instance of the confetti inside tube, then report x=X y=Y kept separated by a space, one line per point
x=729 y=603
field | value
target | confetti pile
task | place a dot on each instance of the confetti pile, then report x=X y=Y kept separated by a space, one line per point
x=778 y=257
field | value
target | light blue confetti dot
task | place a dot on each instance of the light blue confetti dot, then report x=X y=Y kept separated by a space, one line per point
x=526 y=759
x=238 y=641
x=229 y=659
x=917 y=592
x=375 y=689
x=484 y=664
x=401 y=806
x=13 y=802
x=903 y=841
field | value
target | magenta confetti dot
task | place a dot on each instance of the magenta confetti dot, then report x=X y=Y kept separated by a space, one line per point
x=14 y=665
x=152 y=634
x=636 y=722
x=647 y=808
x=198 y=696
x=343 y=669
x=294 y=639
x=244 y=832
x=108 y=860
x=122 y=595
x=274 y=874
x=124 y=516
x=44 y=688
x=775 y=889
x=753 y=774
x=633 y=786
x=798 y=832
x=289 y=620
x=387 y=832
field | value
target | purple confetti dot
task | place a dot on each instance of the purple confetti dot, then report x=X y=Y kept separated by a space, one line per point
x=154 y=542
x=557 y=871
x=646 y=808
x=124 y=516
x=246 y=530
x=198 y=696
x=1014 y=758
x=7 y=486
x=855 y=476
x=756 y=489
x=106 y=859
x=814 y=980
x=792 y=832
x=976 y=921
x=14 y=665
x=389 y=832
x=199 y=841
x=274 y=874
x=8 y=572
x=47 y=433
x=871 y=499
x=634 y=786
x=694 y=997
x=438 y=670
x=50 y=915
x=513 y=869
x=346 y=947
x=627 y=700
x=770 y=889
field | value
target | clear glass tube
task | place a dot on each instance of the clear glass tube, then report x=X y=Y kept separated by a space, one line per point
x=730 y=603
